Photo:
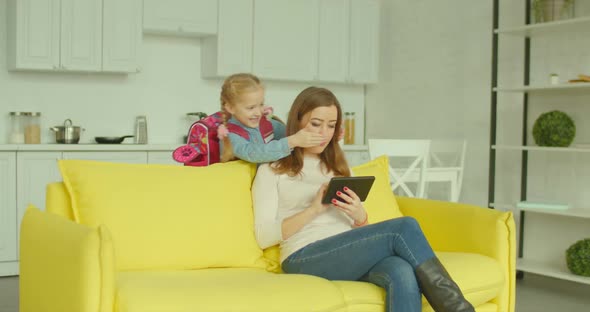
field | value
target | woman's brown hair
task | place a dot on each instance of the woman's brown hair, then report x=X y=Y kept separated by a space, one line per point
x=233 y=88
x=332 y=158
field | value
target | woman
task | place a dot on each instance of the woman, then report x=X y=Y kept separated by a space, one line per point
x=334 y=241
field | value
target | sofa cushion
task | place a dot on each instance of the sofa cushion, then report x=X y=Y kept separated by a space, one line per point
x=168 y=217
x=479 y=277
x=362 y=296
x=232 y=289
x=380 y=204
x=243 y=289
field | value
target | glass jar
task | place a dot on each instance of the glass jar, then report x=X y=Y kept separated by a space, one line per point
x=17 y=128
x=349 y=124
x=24 y=128
x=32 y=129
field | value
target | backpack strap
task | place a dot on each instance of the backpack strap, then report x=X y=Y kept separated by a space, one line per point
x=266 y=130
x=233 y=128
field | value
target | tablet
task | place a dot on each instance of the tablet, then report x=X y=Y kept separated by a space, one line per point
x=360 y=185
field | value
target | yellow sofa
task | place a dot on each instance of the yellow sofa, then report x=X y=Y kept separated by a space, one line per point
x=141 y=238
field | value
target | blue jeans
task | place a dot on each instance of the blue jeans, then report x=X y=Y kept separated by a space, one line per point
x=385 y=254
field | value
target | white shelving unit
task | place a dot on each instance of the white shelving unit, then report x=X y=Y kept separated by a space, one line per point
x=571 y=212
x=548 y=231
x=541 y=29
x=563 y=86
x=549 y=269
x=573 y=149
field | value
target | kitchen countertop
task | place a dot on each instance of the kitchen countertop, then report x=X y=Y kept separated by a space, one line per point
x=117 y=147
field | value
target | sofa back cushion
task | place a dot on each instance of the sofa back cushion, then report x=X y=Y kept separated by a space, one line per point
x=381 y=204
x=168 y=217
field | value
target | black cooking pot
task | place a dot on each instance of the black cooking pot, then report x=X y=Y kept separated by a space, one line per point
x=111 y=140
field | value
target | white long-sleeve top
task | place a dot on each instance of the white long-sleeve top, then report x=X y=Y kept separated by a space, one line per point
x=279 y=196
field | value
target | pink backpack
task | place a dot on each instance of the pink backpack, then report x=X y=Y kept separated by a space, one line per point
x=202 y=146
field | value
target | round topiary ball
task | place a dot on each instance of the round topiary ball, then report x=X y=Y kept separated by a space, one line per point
x=554 y=128
x=578 y=257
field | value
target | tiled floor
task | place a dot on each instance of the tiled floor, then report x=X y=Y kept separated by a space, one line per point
x=533 y=294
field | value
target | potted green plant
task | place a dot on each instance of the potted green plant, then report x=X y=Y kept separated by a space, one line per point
x=552 y=10
x=554 y=128
x=578 y=257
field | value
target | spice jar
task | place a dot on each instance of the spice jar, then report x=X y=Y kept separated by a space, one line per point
x=32 y=128
x=349 y=121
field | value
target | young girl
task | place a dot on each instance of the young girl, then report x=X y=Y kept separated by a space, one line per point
x=242 y=101
x=334 y=241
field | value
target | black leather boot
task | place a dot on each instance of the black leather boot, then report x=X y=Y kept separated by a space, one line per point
x=440 y=290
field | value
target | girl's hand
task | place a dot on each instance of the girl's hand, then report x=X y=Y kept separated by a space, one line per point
x=351 y=205
x=304 y=138
x=267 y=111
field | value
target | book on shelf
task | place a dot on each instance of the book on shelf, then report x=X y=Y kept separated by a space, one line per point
x=541 y=205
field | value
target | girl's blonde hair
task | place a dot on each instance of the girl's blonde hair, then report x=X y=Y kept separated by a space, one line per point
x=232 y=89
x=332 y=158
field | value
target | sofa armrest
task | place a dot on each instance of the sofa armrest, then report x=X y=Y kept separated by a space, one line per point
x=466 y=228
x=64 y=266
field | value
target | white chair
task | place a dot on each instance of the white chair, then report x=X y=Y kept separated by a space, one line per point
x=447 y=163
x=418 y=151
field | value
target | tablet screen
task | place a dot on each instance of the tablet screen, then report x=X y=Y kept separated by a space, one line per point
x=360 y=185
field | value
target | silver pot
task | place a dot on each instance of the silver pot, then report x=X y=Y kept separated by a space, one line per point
x=67 y=134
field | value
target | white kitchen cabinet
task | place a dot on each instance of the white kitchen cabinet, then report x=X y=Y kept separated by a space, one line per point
x=8 y=240
x=34 y=171
x=286 y=39
x=163 y=158
x=231 y=50
x=364 y=41
x=334 y=40
x=122 y=35
x=55 y=35
x=348 y=41
x=81 y=35
x=136 y=157
x=33 y=34
x=67 y=35
x=180 y=17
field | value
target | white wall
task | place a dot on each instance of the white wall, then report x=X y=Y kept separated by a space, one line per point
x=168 y=86
x=435 y=80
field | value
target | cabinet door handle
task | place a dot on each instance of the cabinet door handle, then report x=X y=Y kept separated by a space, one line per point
x=180 y=29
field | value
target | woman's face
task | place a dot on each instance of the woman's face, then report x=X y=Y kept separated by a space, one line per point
x=321 y=120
